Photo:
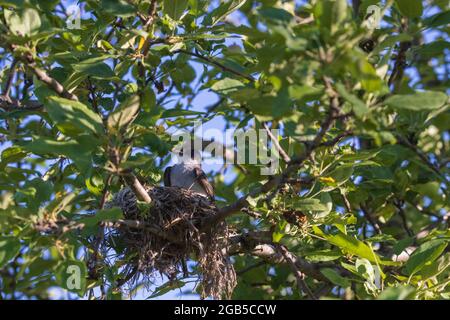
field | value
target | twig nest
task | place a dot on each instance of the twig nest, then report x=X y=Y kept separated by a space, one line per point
x=172 y=236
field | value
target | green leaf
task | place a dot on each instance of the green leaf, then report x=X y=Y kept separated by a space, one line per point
x=175 y=8
x=9 y=248
x=323 y=255
x=410 y=8
x=25 y=22
x=11 y=154
x=225 y=9
x=279 y=232
x=276 y=14
x=304 y=92
x=433 y=49
x=120 y=8
x=351 y=245
x=79 y=153
x=124 y=114
x=335 y=277
x=179 y=113
x=359 y=107
x=95 y=69
x=426 y=100
x=424 y=255
x=439 y=19
x=227 y=85
x=402 y=292
x=168 y=286
x=148 y=99
x=73 y=118
x=304 y=204
x=112 y=214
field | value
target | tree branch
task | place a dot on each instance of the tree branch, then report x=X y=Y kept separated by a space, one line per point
x=277 y=145
x=292 y=261
x=137 y=188
x=293 y=165
x=13 y=104
x=217 y=64
x=9 y=80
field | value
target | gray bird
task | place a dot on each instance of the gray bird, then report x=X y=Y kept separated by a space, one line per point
x=188 y=174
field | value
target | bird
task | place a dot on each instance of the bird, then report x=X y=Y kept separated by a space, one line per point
x=188 y=174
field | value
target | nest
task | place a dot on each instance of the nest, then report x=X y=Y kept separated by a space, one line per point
x=178 y=214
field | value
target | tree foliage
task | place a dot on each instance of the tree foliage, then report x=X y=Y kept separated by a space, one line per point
x=358 y=208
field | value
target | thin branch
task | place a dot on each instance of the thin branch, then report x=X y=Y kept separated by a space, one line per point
x=9 y=80
x=372 y=222
x=13 y=104
x=137 y=188
x=217 y=64
x=402 y=215
x=277 y=145
x=292 y=261
x=50 y=82
x=251 y=267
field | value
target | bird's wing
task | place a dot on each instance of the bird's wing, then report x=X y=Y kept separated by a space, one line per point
x=167 y=174
x=202 y=180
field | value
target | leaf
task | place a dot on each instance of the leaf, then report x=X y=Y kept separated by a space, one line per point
x=335 y=277
x=426 y=100
x=11 y=154
x=148 y=99
x=120 y=8
x=425 y=254
x=227 y=85
x=433 y=49
x=112 y=214
x=95 y=69
x=225 y=9
x=175 y=8
x=168 y=286
x=73 y=118
x=9 y=248
x=25 y=22
x=79 y=153
x=276 y=14
x=304 y=92
x=279 y=231
x=359 y=107
x=171 y=113
x=439 y=19
x=323 y=255
x=402 y=292
x=304 y=204
x=351 y=245
x=410 y=8
x=124 y=114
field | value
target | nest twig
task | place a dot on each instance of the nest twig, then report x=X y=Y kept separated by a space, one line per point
x=179 y=214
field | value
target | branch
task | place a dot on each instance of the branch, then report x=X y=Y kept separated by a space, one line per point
x=277 y=145
x=258 y=245
x=217 y=64
x=50 y=82
x=293 y=165
x=292 y=261
x=13 y=104
x=9 y=80
x=137 y=188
